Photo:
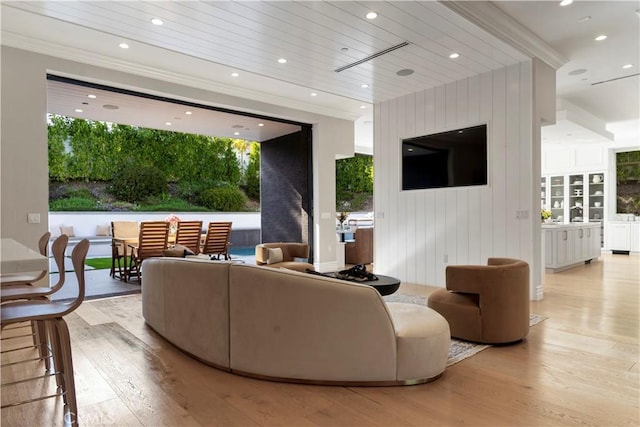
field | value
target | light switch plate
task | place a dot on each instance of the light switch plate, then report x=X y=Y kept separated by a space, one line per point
x=33 y=218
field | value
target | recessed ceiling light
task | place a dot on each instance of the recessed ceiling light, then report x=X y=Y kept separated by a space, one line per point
x=454 y=55
x=260 y=124
x=167 y=123
x=123 y=46
x=584 y=18
x=188 y=113
x=236 y=133
x=110 y=107
x=363 y=107
x=372 y=15
x=92 y=96
x=627 y=66
x=78 y=110
x=282 y=61
x=344 y=49
x=409 y=149
x=600 y=38
x=364 y=86
x=156 y=21
x=405 y=72
x=566 y=2
x=314 y=94
x=234 y=74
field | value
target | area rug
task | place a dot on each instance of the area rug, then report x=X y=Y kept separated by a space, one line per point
x=459 y=349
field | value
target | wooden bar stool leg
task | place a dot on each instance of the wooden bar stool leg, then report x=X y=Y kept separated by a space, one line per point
x=64 y=340
x=40 y=335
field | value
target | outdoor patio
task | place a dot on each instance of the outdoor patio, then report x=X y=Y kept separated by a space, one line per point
x=98 y=283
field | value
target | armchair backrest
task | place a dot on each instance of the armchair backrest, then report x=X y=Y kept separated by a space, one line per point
x=503 y=289
x=361 y=250
x=290 y=250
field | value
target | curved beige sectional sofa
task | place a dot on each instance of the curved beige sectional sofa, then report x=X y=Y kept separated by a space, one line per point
x=284 y=325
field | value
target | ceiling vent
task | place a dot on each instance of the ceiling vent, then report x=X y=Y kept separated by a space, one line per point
x=614 y=79
x=375 y=55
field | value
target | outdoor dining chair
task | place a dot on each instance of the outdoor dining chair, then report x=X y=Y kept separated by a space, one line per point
x=189 y=234
x=152 y=242
x=216 y=242
x=120 y=232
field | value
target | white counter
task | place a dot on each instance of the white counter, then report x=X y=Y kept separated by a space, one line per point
x=17 y=258
x=569 y=245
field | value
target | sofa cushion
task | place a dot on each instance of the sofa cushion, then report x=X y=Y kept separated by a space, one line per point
x=423 y=338
x=275 y=255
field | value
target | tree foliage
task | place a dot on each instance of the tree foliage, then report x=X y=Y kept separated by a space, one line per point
x=354 y=182
x=252 y=174
x=90 y=150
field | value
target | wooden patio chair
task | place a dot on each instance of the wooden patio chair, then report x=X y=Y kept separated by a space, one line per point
x=121 y=230
x=189 y=234
x=152 y=241
x=216 y=242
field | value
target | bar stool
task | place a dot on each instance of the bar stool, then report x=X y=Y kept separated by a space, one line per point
x=52 y=313
x=29 y=292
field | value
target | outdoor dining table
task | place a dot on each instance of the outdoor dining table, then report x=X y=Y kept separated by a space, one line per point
x=130 y=242
x=18 y=258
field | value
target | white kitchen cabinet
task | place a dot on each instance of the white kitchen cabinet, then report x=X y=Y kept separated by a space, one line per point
x=573 y=198
x=619 y=236
x=635 y=237
x=570 y=245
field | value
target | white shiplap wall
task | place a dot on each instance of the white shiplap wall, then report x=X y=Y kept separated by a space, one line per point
x=416 y=230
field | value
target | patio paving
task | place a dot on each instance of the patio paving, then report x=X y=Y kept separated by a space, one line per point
x=98 y=283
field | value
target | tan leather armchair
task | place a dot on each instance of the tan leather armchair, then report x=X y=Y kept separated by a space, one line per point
x=487 y=304
x=283 y=255
x=361 y=250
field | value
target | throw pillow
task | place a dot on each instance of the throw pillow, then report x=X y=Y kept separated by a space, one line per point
x=103 y=230
x=275 y=256
x=68 y=230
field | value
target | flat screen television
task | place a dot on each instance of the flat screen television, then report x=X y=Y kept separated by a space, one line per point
x=454 y=158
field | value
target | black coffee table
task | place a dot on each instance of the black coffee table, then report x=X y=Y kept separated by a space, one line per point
x=385 y=285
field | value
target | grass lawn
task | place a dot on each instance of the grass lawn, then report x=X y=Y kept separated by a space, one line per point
x=100 y=263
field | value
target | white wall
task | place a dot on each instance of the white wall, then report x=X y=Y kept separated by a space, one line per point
x=416 y=230
x=24 y=163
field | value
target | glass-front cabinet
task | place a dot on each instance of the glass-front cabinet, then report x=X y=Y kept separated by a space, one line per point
x=577 y=197
x=556 y=197
x=596 y=197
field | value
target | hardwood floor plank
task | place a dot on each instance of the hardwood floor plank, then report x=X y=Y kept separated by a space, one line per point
x=579 y=366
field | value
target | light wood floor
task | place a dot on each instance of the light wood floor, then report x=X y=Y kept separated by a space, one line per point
x=580 y=366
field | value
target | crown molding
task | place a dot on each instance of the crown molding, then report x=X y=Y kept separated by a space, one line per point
x=44 y=47
x=492 y=19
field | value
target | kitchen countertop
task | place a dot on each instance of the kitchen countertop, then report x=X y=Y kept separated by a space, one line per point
x=555 y=225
